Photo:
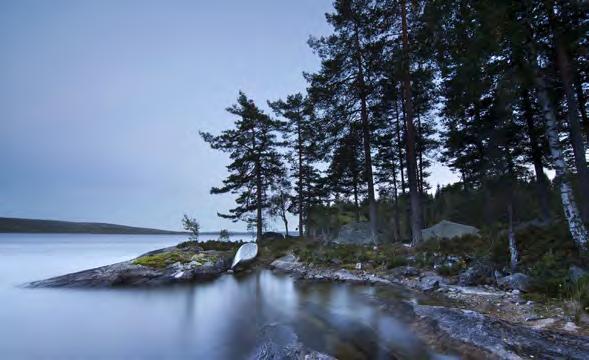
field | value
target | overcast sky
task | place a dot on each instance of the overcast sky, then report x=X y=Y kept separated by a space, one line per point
x=101 y=101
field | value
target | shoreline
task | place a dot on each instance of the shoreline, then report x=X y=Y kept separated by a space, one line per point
x=478 y=321
x=459 y=324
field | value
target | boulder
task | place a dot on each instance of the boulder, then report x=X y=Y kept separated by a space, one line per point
x=430 y=281
x=517 y=281
x=286 y=263
x=356 y=233
x=478 y=273
x=448 y=230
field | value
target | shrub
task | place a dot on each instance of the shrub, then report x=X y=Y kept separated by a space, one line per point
x=190 y=244
x=162 y=260
x=550 y=275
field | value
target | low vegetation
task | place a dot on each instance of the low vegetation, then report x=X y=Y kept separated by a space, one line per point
x=210 y=245
x=189 y=251
x=164 y=259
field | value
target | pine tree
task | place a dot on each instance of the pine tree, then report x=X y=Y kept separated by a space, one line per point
x=256 y=164
x=302 y=139
x=346 y=79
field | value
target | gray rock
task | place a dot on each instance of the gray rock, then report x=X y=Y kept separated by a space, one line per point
x=503 y=339
x=431 y=281
x=478 y=273
x=448 y=230
x=515 y=281
x=576 y=272
x=404 y=271
x=336 y=261
x=286 y=263
x=357 y=233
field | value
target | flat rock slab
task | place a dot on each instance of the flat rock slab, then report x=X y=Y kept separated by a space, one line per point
x=503 y=339
x=129 y=273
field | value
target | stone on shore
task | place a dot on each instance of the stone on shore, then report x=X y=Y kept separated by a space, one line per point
x=517 y=281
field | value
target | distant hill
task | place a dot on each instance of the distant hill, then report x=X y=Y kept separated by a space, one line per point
x=16 y=225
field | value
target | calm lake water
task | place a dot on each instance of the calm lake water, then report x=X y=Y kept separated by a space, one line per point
x=226 y=318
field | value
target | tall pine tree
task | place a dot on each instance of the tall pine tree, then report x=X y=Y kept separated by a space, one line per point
x=256 y=163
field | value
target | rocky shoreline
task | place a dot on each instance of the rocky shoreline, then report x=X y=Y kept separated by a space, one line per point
x=461 y=323
x=481 y=321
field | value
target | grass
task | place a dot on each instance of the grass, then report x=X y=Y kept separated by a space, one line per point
x=162 y=260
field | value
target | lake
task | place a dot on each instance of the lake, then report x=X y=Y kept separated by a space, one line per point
x=226 y=318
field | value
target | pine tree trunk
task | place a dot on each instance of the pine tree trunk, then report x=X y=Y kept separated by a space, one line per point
x=576 y=226
x=356 y=202
x=514 y=255
x=542 y=186
x=420 y=151
x=396 y=200
x=366 y=140
x=300 y=143
x=416 y=223
x=258 y=201
x=576 y=138
x=400 y=150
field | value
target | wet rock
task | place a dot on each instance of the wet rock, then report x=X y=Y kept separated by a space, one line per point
x=576 y=272
x=477 y=274
x=515 y=281
x=278 y=341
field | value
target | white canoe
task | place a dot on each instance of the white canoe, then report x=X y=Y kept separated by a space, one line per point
x=246 y=252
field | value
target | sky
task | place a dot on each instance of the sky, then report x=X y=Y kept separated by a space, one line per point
x=101 y=101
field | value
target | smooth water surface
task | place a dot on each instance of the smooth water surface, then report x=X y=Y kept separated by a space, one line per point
x=226 y=318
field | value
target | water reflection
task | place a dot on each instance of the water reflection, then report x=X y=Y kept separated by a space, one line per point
x=226 y=318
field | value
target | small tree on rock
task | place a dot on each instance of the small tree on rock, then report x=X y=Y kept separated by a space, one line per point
x=191 y=225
